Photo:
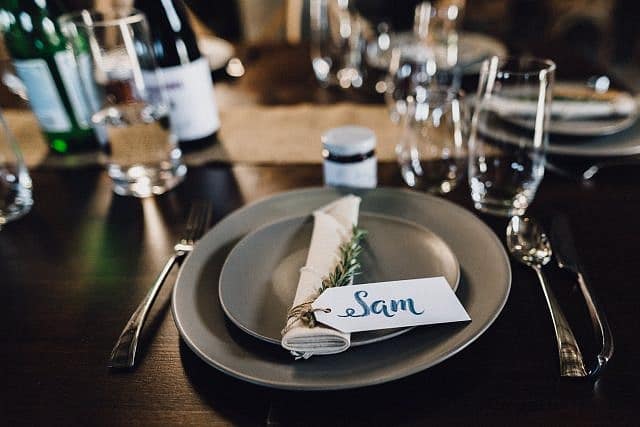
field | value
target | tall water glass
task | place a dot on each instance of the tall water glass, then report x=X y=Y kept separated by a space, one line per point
x=143 y=158
x=337 y=44
x=507 y=157
x=432 y=150
x=15 y=183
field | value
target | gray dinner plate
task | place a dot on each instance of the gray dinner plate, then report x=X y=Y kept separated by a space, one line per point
x=256 y=299
x=623 y=143
x=584 y=127
x=483 y=291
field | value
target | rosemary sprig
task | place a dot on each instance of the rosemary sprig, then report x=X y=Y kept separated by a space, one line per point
x=348 y=266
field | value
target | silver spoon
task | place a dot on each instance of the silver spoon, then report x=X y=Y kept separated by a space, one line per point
x=528 y=244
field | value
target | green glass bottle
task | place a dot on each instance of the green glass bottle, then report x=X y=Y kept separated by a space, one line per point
x=46 y=65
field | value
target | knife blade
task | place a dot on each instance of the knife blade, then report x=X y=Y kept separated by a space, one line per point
x=567 y=258
x=563 y=245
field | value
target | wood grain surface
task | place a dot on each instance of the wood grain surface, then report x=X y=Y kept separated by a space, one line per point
x=73 y=270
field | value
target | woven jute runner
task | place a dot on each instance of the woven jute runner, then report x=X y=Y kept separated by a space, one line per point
x=249 y=135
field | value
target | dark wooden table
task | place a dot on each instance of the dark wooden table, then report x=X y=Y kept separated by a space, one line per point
x=74 y=269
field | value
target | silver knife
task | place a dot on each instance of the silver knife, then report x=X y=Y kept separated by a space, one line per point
x=567 y=258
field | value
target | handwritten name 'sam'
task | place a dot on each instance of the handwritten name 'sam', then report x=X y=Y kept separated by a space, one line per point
x=386 y=308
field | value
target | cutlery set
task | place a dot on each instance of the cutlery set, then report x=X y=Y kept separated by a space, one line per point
x=567 y=258
x=528 y=243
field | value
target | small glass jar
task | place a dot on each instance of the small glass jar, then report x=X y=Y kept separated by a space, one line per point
x=349 y=154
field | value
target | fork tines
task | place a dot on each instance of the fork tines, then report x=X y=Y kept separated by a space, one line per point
x=198 y=220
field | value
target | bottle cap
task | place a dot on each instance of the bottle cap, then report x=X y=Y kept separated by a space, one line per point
x=349 y=140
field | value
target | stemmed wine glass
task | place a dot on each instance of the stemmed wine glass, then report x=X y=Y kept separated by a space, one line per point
x=412 y=67
x=337 y=44
x=425 y=58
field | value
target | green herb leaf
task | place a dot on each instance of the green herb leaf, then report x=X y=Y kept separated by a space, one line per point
x=348 y=266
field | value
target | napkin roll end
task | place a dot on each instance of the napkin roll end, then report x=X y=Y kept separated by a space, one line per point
x=323 y=342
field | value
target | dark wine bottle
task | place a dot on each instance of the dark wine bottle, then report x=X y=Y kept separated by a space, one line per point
x=46 y=65
x=186 y=74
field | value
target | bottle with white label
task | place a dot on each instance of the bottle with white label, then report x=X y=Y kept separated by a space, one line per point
x=185 y=73
x=46 y=65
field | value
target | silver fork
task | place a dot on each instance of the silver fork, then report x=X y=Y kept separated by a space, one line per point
x=123 y=354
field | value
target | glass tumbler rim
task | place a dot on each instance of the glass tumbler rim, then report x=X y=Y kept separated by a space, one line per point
x=106 y=19
x=534 y=65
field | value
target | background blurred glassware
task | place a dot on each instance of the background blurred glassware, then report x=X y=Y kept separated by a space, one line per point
x=13 y=82
x=143 y=157
x=432 y=151
x=412 y=67
x=377 y=56
x=337 y=43
x=437 y=25
x=15 y=183
x=428 y=57
x=506 y=161
x=434 y=24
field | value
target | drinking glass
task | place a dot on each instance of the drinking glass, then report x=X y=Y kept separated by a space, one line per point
x=15 y=183
x=432 y=149
x=428 y=57
x=437 y=25
x=143 y=157
x=507 y=156
x=337 y=44
x=412 y=67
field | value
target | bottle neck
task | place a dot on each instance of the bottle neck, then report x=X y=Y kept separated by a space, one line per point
x=50 y=8
x=173 y=39
x=174 y=18
x=32 y=30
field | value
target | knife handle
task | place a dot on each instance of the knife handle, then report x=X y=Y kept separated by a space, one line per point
x=124 y=352
x=600 y=325
x=571 y=362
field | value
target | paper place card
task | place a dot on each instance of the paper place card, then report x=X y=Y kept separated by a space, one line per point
x=385 y=305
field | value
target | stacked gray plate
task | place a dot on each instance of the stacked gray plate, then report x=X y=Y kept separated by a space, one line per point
x=485 y=279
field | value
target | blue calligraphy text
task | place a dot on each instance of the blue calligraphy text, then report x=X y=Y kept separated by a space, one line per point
x=379 y=306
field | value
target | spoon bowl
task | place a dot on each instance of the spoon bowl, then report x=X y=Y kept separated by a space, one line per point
x=527 y=241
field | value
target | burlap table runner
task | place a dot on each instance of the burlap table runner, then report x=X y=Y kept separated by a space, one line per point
x=249 y=135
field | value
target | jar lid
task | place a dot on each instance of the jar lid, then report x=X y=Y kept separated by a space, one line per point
x=349 y=140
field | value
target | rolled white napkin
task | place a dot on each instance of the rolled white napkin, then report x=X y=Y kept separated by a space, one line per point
x=616 y=104
x=332 y=227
